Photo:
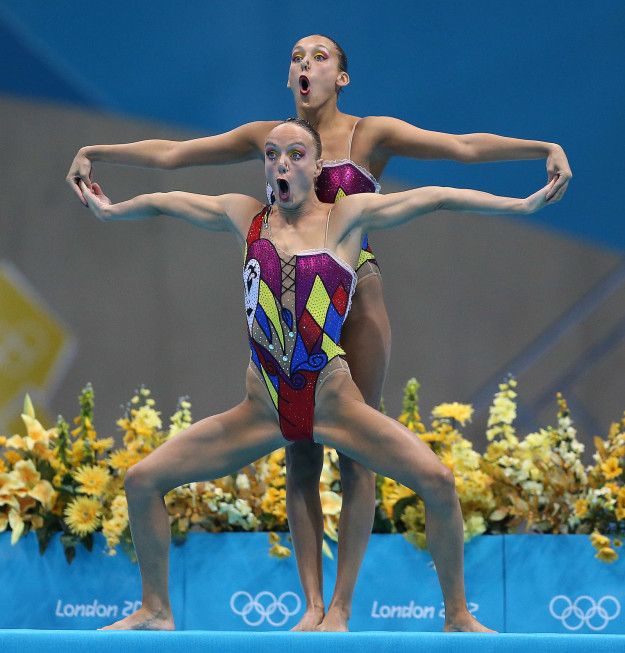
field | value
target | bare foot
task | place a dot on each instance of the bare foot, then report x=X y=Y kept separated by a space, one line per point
x=465 y=623
x=335 y=621
x=310 y=620
x=144 y=619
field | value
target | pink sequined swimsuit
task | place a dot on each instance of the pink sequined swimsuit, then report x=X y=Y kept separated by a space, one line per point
x=295 y=307
x=345 y=177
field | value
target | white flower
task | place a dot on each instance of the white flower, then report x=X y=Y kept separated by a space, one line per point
x=243 y=482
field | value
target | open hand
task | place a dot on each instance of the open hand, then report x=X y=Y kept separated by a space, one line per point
x=79 y=172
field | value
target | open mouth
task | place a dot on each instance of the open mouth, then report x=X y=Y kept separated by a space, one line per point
x=283 y=189
x=304 y=85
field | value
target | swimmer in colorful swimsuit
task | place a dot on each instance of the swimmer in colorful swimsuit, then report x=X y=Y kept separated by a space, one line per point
x=299 y=281
x=356 y=151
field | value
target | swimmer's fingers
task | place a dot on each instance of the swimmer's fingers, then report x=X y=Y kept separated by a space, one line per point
x=79 y=171
x=556 y=194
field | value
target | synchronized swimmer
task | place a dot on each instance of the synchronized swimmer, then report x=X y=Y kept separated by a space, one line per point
x=299 y=280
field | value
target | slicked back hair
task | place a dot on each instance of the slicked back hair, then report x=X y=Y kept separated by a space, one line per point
x=304 y=124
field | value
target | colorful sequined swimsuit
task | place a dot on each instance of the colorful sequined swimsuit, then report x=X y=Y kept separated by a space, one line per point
x=345 y=177
x=295 y=306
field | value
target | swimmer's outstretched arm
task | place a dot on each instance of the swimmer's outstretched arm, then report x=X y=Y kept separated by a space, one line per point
x=216 y=213
x=369 y=211
x=394 y=137
x=241 y=144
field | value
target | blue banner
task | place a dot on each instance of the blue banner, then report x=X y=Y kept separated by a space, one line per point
x=554 y=584
x=227 y=581
x=95 y=590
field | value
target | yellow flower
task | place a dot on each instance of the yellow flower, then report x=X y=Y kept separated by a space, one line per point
x=77 y=452
x=36 y=432
x=474 y=525
x=17 y=525
x=93 y=479
x=392 y=492
x=146 y=420
x=44 y=493
x=123 y=459
x=613 y=487
x=330 y=503
x=581 y=508
x=12 y=457
x=460 y=412
x=610 y=468
x=274 y=503
x=599 y=541
x=330 y=522
x=17 y=442
x=26 y=472
x=8 y=485
x=279 y=551
x=619 y=513
x=606 y=554
x=82 y=515
x=274 y=538
x=119 y=505
x=3 y=467
x=102 y=445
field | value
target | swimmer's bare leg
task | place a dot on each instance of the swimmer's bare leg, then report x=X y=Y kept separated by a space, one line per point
x=209 y=449
x=367 y=330
x=383 y=444
x=304 y=461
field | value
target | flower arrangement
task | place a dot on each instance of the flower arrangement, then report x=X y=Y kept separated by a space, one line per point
x=69 y=480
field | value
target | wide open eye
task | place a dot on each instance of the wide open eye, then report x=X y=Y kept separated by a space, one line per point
x=270 y=154
x=296 y=155
x=296 y=58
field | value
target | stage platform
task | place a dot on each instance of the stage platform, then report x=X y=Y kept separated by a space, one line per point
x=59 y=641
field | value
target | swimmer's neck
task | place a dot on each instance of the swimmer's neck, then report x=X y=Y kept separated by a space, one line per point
x=321 y=117
x=300 y=213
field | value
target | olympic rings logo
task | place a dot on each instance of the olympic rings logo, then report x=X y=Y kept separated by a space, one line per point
x=584 y=611
x=265 y=605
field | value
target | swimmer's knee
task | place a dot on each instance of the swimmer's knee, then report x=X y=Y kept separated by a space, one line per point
x=139 y=478
x=440 y=487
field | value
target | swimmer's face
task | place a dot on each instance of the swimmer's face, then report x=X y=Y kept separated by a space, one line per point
x=314 y=75
x=292 y=164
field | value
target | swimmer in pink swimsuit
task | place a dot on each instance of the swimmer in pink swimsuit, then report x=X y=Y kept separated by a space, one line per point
x=357 y=151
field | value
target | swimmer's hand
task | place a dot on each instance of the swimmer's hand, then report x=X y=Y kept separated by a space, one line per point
x=96 y=200
x=558 y=169
x=540 y=198
x=80 y=174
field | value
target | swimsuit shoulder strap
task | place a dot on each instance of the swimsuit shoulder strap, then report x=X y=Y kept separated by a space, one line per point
x=351 y=136
x=325 y=239
x=258 y=220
